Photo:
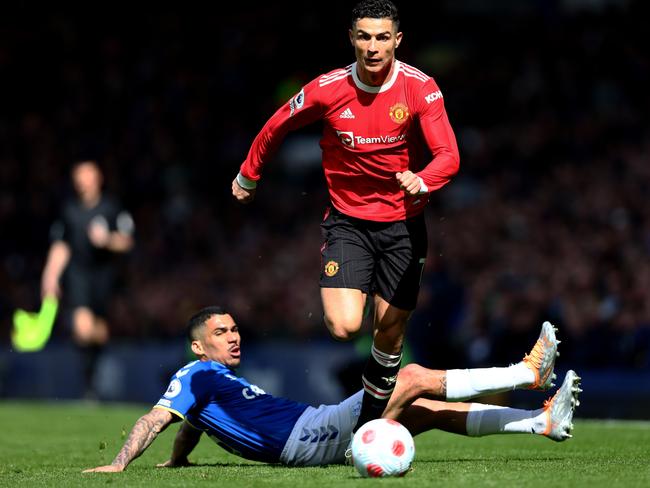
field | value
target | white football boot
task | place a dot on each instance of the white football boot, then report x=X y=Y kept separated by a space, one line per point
x=560 y=408
x=541 y=359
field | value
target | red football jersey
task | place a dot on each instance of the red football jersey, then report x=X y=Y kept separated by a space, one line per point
x=370 y=133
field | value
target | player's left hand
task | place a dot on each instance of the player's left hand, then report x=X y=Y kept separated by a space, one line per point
x=409 y=182
x=110 y=468
x=170 y=464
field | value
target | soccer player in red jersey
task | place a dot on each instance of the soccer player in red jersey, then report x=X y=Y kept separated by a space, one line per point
x=381 y=120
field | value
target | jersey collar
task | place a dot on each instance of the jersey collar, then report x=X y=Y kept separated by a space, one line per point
x=375 y=89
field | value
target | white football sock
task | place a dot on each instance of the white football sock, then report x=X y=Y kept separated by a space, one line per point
x=463 y=384
x=490 y=419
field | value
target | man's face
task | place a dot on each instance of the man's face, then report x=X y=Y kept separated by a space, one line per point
x=87 y=180
x=220 y=341
x=374 y=42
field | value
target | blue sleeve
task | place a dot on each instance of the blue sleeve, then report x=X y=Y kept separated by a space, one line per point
x=186 y=389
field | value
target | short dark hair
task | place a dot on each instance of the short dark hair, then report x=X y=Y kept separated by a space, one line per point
x=376 y=9
x=199 y=319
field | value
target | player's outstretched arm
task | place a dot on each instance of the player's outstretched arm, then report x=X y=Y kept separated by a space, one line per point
x=145 y=430
x=186 y=440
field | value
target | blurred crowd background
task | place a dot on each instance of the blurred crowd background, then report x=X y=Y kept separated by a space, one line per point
x=548 y=218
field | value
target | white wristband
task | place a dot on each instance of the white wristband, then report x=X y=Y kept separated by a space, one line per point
x=245 y=183
x=423 y=187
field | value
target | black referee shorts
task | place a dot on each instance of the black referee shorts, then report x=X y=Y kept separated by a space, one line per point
x=384 y=258
x=89 y=287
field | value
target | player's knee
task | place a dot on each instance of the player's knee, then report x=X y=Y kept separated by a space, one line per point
x=343 y=328
x=410 y=372
x=410 y=376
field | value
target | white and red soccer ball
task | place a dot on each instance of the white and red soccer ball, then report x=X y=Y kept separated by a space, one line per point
x=382 y=447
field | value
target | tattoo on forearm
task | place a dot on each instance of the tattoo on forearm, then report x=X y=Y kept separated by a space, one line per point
x=443 y=385
x=142 y=435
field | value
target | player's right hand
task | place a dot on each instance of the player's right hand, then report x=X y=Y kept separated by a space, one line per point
x=409 y=182
x=242 y=194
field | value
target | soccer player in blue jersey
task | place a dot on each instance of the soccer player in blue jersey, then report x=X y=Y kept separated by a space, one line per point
x=210 y=397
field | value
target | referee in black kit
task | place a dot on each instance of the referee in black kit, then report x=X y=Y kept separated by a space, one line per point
x=91 y=229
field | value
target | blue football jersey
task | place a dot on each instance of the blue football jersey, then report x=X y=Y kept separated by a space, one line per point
x=240 y=417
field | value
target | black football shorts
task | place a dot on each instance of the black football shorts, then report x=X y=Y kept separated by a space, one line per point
x=384 y=258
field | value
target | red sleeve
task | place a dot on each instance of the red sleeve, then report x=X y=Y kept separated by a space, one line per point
x=302 y=109
x=439 y=137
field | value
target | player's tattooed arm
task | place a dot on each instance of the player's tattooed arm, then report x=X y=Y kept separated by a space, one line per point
x=443 y=386
x=145 y=430
x=186 y=440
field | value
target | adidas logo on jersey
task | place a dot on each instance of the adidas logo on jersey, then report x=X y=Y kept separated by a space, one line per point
x=346 y=114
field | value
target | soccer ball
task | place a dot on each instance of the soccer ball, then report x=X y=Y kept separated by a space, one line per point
x=382 y=447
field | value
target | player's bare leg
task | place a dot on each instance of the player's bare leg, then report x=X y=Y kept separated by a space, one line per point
x=414 y=382
x=424 y=415
x=390 y=326
x=343 y=311
x=471 y=419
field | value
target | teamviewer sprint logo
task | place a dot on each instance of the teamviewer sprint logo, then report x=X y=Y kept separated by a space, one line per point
x=346 y=138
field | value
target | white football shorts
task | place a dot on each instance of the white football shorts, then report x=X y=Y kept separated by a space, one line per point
x=321 y=435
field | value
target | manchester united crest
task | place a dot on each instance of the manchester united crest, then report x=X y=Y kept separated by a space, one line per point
x=399 y=113
x=331 y=268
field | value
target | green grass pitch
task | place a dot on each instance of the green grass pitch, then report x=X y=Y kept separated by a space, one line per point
x=48 y=444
